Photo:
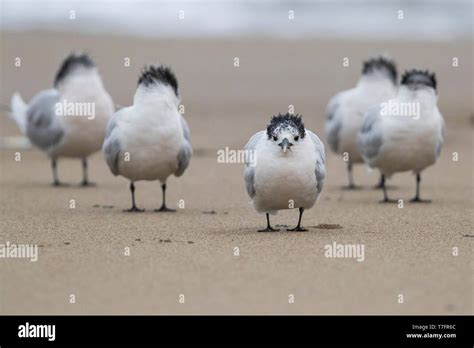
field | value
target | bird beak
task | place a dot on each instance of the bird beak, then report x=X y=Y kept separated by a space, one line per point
x=285 y=145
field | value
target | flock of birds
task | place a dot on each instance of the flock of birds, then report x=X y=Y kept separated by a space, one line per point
x=150 y=140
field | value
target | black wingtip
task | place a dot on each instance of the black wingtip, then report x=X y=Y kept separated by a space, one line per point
x=381 y=63
x=158 y=74
x=423 y=77
x=70 y=64
x=287 y=119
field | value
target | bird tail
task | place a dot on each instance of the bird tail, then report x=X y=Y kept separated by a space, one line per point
x=18 y=112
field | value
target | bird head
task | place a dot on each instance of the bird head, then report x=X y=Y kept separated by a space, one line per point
x=72 y=64
x=159 y=75
x=418 y=79
x=286 y=131
x=381 y=65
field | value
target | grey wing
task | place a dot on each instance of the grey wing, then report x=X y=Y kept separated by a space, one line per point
x=320 y=170
x=186 y=132
x=251 y=161
x=439 y=145
x=333 y=124
x=370 y=137
x=43 y=127
x=111 y=147
x=186 y=151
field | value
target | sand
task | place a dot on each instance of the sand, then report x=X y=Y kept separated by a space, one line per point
x=408 y=251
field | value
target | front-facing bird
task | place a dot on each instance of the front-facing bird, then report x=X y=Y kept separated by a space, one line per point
x=149 y=140
x=284 y=168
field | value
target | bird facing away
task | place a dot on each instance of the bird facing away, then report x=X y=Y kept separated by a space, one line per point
x=345 y=111
x=70 y=119
x=398 y=142
x=149 y=140
x=284 y=168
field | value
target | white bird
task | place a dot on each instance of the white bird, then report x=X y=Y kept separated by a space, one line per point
x=408 y=135
x=345 y=111
x=284 y=168
x=70 y=119
x=149 y=140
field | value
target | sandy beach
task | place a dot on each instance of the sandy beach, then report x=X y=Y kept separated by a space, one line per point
x=408 y=251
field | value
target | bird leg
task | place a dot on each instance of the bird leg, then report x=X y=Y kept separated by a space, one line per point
x=164 y=208
x=417 y=198
x=384 y=188
x=54 y=166
x=350 y=176
x=298 y=227
x=134 y=207
x=85 y=181
x=269 y=228
x=379 y=184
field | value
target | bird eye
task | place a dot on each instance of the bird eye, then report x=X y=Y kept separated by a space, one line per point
x=275 y=138
x=297 y=138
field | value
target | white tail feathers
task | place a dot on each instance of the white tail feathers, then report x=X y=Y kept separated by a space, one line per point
x=18 y=112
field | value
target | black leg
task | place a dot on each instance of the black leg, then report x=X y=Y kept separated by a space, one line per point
x=298 y=228
x=54 y=166
x=269 y=228
x=85 y=180
x=379 y=184
x=384 y=188
x=417 y=198
x=164 y=208
x=350 y=177
x=134 y=207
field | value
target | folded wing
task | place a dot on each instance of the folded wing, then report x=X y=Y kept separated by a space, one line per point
x=320 y=170
x=186 y=151
x=250 y=157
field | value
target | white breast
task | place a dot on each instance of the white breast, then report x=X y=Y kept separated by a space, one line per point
x=285 y=180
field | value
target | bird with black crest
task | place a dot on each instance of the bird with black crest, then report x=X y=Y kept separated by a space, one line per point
x=284 y=168
x=70 y=119
x=149 y=140
x=345 y=111
x=407 y=136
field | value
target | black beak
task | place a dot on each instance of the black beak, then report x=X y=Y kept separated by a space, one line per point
x=285 y=145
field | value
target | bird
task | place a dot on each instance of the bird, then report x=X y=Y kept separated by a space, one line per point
x=393 y=141
x=284 y=168
x=149 y=140
x=345 y=111
x=70 y=119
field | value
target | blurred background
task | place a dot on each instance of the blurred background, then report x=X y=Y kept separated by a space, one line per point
x=290 y=53
x=346 y=19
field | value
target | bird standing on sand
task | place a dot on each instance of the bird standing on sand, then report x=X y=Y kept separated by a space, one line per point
x=345 y=111
x=70 y=119
x=287 y=169
x=397 y=142
x=149 y=140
